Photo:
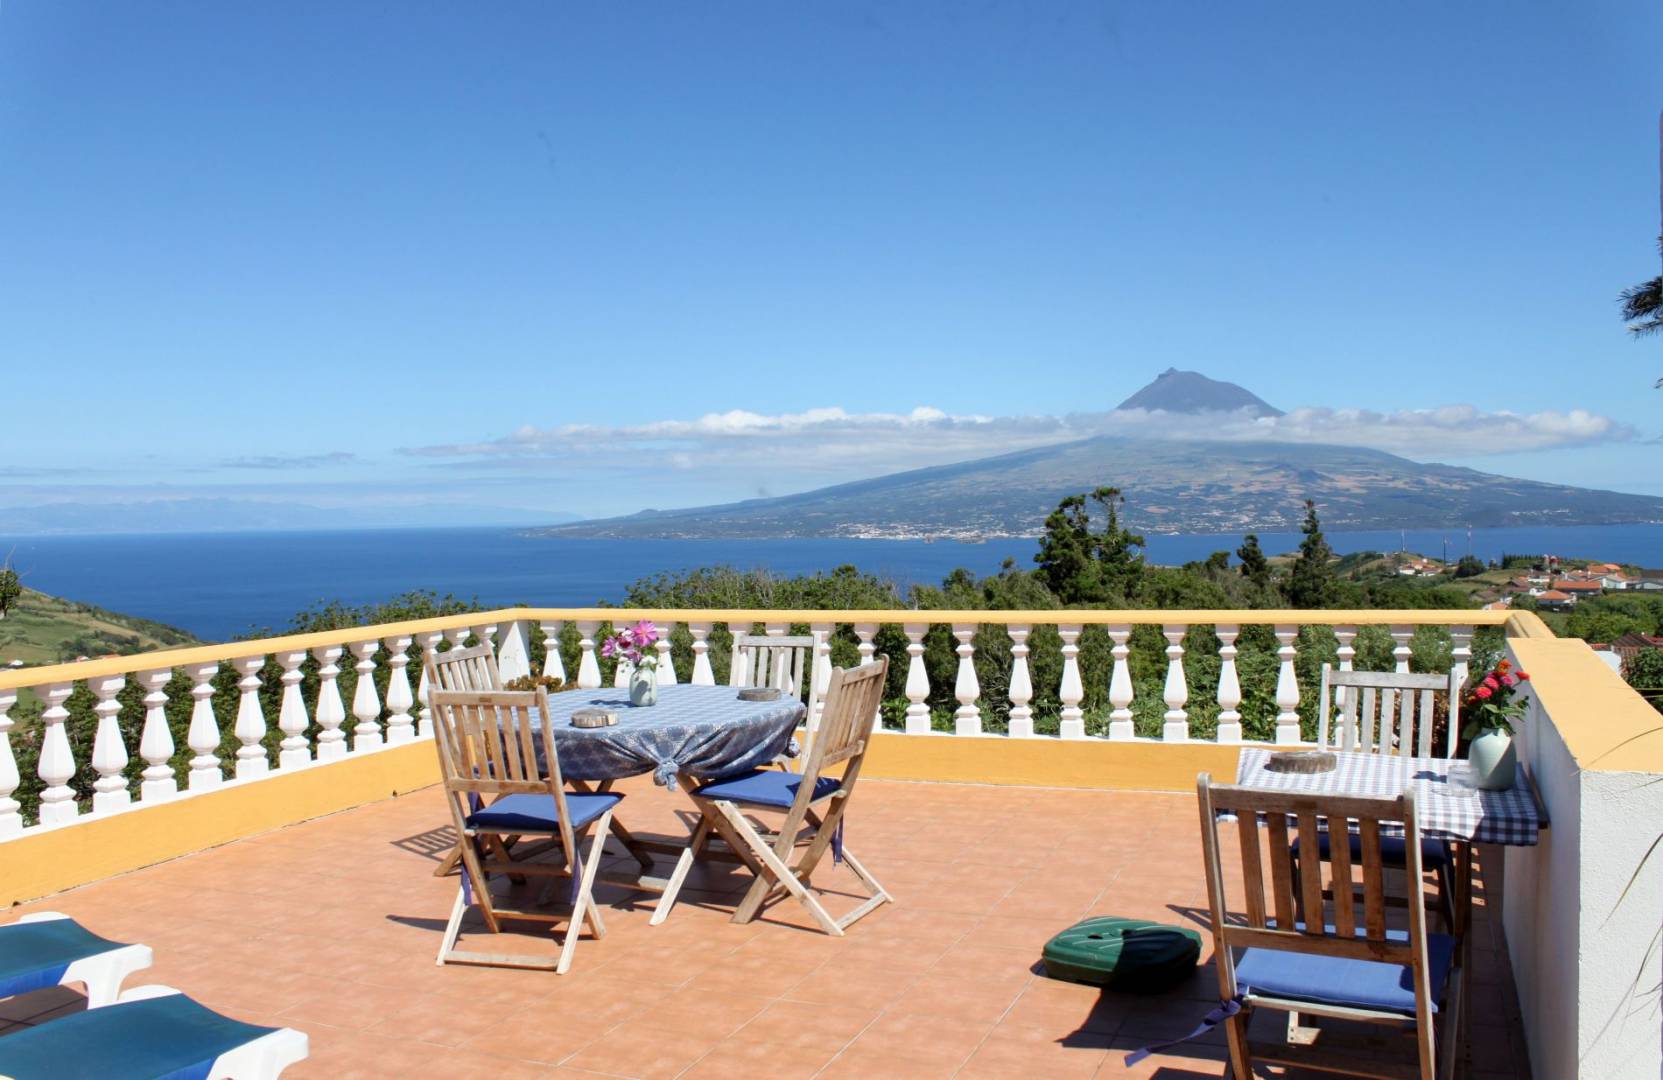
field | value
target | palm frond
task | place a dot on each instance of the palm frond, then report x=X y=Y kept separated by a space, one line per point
x=1643 y=306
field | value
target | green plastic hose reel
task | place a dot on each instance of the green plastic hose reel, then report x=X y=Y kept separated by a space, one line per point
x=1134 y=955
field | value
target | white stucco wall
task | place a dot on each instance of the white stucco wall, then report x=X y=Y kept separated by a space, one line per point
x=1583 y=910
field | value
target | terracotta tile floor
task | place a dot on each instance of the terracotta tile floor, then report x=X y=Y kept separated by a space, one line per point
x=331 y=927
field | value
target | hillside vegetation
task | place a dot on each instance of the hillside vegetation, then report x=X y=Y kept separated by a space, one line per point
x=42 y=629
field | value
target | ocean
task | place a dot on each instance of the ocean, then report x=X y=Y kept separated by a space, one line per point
x=217 y=585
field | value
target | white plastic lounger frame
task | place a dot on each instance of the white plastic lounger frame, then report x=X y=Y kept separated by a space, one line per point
x=103 y=973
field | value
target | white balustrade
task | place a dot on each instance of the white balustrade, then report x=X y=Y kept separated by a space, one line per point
x=967 y=720
x=331 y=713
x=429 y=644
x=1071 y=724
x=1175 y=722
x=514 y=652
x=156 y=783
x=1400 y=647
x=458 y=636
x=702 y=673
x=203 y=734
x=588 y=670
x=666 y=667
x=1120 y=685
x=109 y=751
x=56 y=766
x=401 y=726
x=781 y=673
x=487 y=636
x=292 y=721
x=11 y=821
x=1021 y=724
x=250 y=728
x=1229 y=685
x=918 y=681
x=1460 y=653
x=864 y=633
x=819 y=671
x=1347 y=656
x=554 y=665
x=366 y=705
x=1287 y=686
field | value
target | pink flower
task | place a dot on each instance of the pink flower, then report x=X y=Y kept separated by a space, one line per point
x=645 y=633
x=1490 y=681
x=609 y=647
x=1510 y=680
x=1482 y=692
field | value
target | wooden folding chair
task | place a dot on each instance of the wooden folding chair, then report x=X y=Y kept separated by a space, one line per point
x=487 y=743
x=782 y=663
x=1346 y=969
x=814 y=805
x=472 y=668
x=1375 y=712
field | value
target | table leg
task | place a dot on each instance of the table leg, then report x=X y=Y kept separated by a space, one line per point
x=1464 y=889
x=625 y=837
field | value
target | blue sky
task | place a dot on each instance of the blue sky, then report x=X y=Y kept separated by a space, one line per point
x=488 y=262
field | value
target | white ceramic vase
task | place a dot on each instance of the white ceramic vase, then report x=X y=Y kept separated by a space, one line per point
x=1492 y=759
x=643 y=686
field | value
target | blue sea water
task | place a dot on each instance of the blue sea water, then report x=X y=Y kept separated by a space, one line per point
x=218 y=585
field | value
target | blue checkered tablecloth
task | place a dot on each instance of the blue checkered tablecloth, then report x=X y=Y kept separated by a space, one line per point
x=703 y=731
x=1449 y=806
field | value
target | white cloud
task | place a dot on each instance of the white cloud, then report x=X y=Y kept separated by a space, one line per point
x=832 y=441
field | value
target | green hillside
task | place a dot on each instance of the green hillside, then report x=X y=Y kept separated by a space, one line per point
x=41 y=629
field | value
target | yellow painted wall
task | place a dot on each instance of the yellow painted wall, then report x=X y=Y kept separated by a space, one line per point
x=1087 y=763
x=1606 y=726
x=51 y=860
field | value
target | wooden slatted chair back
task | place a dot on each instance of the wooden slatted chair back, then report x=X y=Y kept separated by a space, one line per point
x=488 y=743
x=846 y=723
x=1357 y=930
x=473 y=668
x=768 y=660
x=1386 y=712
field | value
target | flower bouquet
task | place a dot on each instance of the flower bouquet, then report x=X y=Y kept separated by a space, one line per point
x=636 y=646
x=1490 y=707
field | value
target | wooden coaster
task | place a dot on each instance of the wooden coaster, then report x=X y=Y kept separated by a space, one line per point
x=1301 y=761
x=593 y=718
x=759 y=693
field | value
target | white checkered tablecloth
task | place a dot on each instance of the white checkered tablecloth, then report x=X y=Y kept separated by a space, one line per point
x=1447 y=810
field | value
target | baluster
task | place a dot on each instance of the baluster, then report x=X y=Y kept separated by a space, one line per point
x=1389 y=719
x=1072 y=723
x=458 y=636
x=1401 y=651
x=666 y=668
x=293 y=753
x=331 y=713
x=156 y=783
x=918 y=681
x=1347 y=655
x=1460 y=654
x=366 y=705
x=429 y=643
x=1229 y=686
x=1287 y=687
x=819 y=672
x=401 y=727
x=864 y=633
x=621 y=671
x=109 y=752
x=1022 y=685
x=588 y=671
x=554 y=666
x=779 y=674
x=514 y=653
x=702 y=674
x=11 y=822
x=203 y=734
x=968 y=719
x=57 y=761
x=1120 y=685
x=487 y=636
x=250 y=728
x=1175 y=723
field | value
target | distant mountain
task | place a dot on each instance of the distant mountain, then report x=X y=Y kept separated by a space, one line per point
x=1170 y=486
x=1192 y=392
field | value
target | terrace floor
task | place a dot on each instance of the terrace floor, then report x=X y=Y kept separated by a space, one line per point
x=331 y=927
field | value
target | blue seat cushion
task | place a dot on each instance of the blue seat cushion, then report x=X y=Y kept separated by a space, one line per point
x=36 y=954
x=1335 y=980
x=539 y=813
x=766 y=787
x=171 y=1037
x=1434 y=852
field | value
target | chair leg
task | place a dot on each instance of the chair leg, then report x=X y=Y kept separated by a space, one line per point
x=453 y=927
x=778 y=872
x=450 y=862
x=1446 y=897
x=574 y=929
x=1241 y=1057
x=684 y=864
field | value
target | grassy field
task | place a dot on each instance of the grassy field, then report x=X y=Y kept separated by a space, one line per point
x=43 y=629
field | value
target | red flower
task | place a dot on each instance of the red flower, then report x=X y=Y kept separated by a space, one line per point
x=1524 y=676
x=1510 y=680
x=1482 y=692
x=1503 y=666
x=1492 y=682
